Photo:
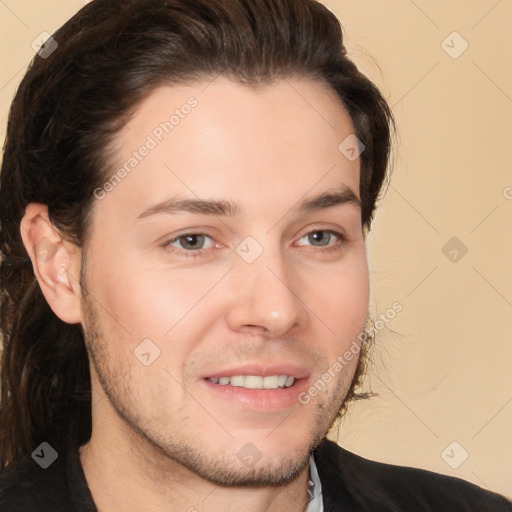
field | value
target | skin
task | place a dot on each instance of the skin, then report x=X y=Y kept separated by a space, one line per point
x=163 y=438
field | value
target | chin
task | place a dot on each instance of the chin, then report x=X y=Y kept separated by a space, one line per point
x=254 y=458
x=250 y=468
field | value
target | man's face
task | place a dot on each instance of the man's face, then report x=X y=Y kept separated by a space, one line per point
x=228 y=302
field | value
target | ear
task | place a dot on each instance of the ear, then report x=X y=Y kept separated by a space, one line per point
x=56 y=263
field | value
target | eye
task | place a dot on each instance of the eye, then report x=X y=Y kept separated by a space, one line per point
x=190 y=242
x=322 y=238
x=196 y=244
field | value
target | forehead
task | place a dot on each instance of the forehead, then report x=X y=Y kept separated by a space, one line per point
x=260 y=146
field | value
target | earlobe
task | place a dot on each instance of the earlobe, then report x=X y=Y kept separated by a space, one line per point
x=55 y=261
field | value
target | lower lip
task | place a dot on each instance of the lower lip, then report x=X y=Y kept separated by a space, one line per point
x=259 y=399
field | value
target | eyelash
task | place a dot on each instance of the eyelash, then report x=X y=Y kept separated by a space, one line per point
x=202 y=252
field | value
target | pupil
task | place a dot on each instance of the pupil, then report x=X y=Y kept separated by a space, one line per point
x=191 y=241
x=319 y=236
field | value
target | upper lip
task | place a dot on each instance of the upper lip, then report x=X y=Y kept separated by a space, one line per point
x=290 y=370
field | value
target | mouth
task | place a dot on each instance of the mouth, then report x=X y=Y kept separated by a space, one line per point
x=257 y=387
x=254 y=381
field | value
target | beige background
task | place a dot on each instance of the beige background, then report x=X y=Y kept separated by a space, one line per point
x=443 y=368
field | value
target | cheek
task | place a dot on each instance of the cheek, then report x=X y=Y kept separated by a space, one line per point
x=341 y=301
x=151 y=302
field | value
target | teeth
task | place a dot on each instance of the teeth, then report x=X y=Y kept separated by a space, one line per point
x=255 y=381
x=271 y=382
x=238 y=380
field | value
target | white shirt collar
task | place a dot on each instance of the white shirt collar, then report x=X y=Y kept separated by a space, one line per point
x=314 y=489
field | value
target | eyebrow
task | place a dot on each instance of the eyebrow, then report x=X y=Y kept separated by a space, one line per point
x=328 y=199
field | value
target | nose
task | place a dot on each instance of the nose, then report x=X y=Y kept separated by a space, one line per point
x=266 y=298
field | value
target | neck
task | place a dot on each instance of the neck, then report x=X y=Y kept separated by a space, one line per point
x=125 y=472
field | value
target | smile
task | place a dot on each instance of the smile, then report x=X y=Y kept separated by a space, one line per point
x=254 y=381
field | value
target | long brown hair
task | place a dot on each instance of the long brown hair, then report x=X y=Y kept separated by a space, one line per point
x=66 y=112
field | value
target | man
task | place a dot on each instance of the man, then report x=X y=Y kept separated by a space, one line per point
x=186 y=190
